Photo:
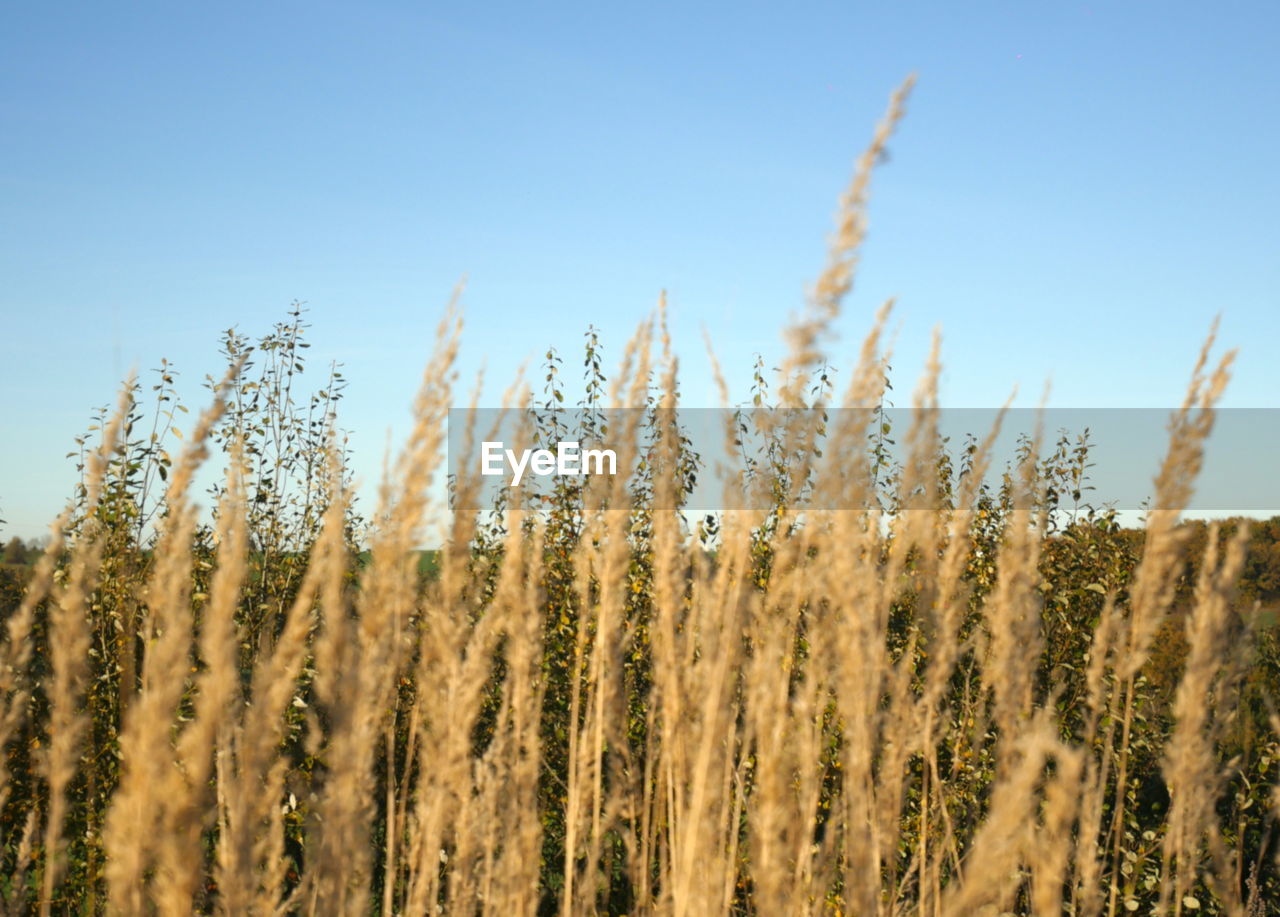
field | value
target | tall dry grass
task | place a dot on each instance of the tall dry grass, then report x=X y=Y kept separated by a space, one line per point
x=591 y=712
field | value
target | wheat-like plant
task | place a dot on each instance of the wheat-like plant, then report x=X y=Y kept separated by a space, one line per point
x=587 y=708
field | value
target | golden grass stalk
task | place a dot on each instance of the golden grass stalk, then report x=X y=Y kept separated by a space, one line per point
x=827 y=713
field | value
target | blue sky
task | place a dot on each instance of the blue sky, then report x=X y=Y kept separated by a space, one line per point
x=1077 y=189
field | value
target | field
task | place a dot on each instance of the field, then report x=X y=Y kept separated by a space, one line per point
x=962 y=699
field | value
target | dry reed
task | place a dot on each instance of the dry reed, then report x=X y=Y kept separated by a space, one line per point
x=829 y=713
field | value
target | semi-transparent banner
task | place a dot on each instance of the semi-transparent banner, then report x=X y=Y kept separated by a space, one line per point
x=707 y=459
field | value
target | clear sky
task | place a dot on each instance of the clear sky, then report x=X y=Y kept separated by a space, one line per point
x=1077 y=189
